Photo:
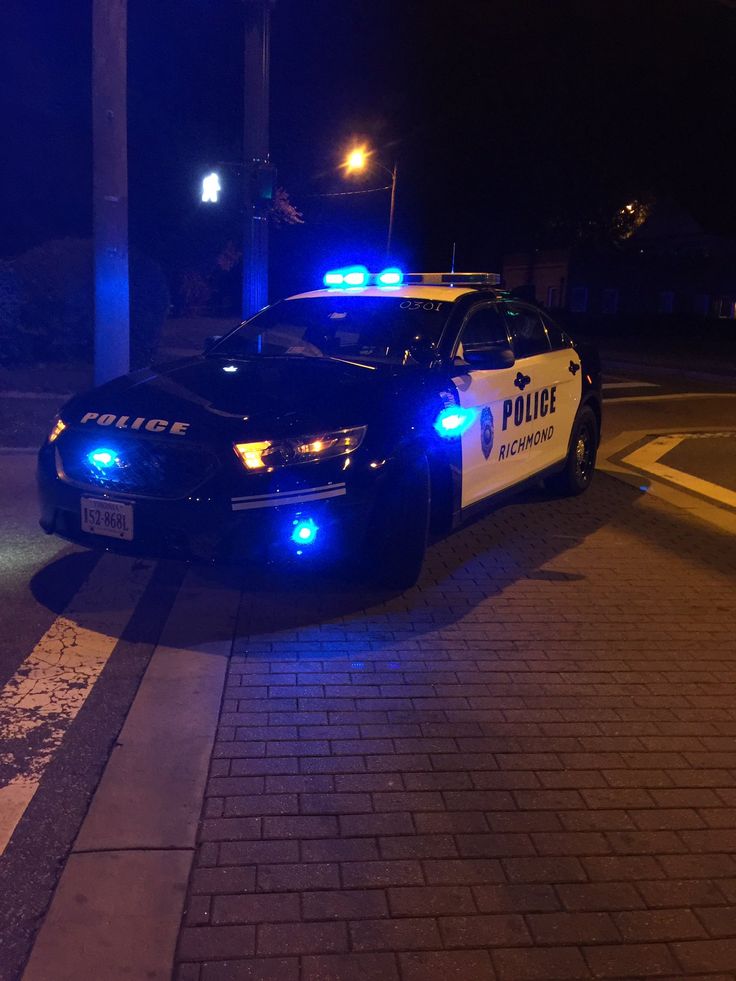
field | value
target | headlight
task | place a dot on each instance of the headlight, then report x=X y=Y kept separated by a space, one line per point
x=268 y=454
x=57 y=430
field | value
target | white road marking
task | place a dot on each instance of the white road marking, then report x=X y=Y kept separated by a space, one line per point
x=44 y=696
x=629 y=384
x=647 y=458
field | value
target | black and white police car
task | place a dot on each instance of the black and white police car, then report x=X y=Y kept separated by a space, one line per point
x=348 y=421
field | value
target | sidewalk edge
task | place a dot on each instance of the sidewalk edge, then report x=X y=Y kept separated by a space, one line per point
x=128 y=872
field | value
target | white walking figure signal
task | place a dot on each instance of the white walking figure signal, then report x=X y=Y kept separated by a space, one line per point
x=211 y=188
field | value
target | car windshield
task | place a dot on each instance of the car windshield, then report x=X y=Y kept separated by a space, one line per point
x=371 y=329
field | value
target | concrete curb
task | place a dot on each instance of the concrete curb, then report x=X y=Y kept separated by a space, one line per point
x=117 y=908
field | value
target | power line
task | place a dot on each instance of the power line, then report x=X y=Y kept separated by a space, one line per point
x=344 y=194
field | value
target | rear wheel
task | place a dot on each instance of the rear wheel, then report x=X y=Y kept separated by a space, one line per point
x=580 y=463
x=397 y=535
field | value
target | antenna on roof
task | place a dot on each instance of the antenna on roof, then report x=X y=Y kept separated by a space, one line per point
x=452 y=262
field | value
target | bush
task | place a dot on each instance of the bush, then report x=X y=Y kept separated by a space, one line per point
x=56 y=316
x=12 y=343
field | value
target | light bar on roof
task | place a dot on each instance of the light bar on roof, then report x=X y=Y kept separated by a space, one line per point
x=389 y=277
x=349 y=276
x=357 y=276
x=453 y=278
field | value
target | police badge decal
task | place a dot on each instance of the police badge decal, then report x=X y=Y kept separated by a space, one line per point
x=486 y=432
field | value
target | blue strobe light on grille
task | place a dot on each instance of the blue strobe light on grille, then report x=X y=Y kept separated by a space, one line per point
x=304 y=532
x=102 y=458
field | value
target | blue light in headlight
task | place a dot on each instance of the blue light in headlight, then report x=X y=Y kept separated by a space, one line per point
x=305 y=532
x=102 y=458
x=390 y=277
x=454 y=421
x=349 y=276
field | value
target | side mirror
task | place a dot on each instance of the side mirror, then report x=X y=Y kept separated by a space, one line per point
x=211 y=341
x=490 y=359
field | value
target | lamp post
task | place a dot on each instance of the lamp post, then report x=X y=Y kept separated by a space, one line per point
x=360 y=159
x=256 y=158
x=110 y=189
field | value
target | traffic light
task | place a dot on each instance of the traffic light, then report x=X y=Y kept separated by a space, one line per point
x=263 y=184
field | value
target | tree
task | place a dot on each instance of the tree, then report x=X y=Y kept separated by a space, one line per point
x=282 y=211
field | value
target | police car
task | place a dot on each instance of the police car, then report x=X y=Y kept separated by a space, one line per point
x=351 y=421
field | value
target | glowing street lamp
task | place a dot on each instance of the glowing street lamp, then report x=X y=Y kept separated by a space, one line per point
x=360 y=158
x=356 y=159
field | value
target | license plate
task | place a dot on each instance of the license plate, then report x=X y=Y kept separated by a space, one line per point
x=110 y=518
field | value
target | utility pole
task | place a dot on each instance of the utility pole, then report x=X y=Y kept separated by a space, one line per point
x=110 y=189
x=258 y=174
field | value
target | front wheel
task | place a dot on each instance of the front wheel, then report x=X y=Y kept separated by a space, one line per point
x=397 y=534
x=580 y=463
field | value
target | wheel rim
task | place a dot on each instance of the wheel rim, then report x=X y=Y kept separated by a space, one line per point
x=584 y=454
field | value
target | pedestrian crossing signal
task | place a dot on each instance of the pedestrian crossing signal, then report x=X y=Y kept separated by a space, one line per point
x=211 y=188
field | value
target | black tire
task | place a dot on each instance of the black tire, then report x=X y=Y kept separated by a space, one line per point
x=580 y=463
x=397 y=535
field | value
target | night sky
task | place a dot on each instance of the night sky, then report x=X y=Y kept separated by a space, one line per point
x=507 y=118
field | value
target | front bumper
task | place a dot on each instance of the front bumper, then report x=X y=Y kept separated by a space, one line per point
x=215 y=524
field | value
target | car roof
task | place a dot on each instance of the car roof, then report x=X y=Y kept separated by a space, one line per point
x=416 y=291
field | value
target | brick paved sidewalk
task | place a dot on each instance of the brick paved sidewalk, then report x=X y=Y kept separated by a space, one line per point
x=525 y=768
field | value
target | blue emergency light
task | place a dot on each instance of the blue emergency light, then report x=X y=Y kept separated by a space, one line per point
x=305 y=532
x=390 y=277
x=102 y=458
x=359 y=276
x=349 y=276
x=454 y=421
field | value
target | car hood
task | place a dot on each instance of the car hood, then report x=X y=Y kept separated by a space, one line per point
x=262 y=399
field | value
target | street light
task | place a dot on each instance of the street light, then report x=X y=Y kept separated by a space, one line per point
x=356 y=159
x=360 y=158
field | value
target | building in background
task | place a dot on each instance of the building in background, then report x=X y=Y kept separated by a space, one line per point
x=667 y=265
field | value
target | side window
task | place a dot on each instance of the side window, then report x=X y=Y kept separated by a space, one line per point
x=557 y=337
x=527 y=330
x=484 y=329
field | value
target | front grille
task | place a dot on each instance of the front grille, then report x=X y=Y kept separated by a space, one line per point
x=142 y=466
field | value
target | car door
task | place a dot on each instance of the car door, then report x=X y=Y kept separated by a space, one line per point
x=549 y=389
x=485 y=391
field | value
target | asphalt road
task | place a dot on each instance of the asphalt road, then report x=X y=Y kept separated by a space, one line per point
x=40 y=579
x=48 y=587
